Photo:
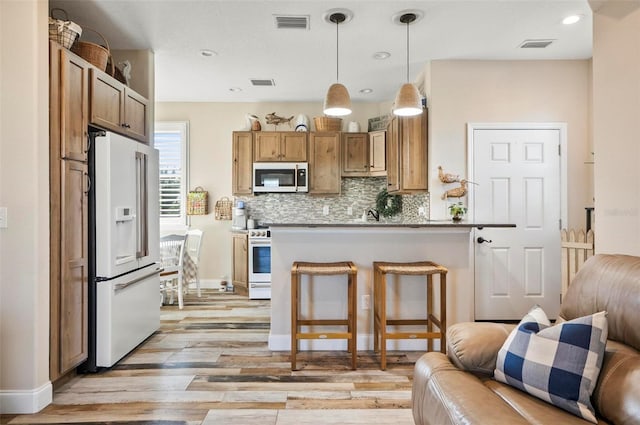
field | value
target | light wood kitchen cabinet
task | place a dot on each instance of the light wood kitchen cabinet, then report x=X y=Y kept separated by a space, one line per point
x=280 y=146
x=377 y=153
x=72 y=104
x=242 y=168
x=73 y=301
x=116 y=107
x=68 y=203
x=407 y=154
x=363 y=154
x=324 y=163
x=240 y=263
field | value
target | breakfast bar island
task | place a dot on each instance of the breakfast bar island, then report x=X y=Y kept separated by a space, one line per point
x=443 y=242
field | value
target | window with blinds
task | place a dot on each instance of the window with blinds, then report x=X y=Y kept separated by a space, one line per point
x=170 y=138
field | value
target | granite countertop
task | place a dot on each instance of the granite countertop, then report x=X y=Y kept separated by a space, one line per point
x=426 y=224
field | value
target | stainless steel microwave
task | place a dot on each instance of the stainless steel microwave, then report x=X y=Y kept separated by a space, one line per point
x=280 y=177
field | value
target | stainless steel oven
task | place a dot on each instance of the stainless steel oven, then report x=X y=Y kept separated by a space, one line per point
x=260 y=264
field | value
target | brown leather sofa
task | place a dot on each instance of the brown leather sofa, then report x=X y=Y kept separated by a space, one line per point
x=459 y=389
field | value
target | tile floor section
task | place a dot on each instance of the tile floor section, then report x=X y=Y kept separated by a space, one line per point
x=209 y=364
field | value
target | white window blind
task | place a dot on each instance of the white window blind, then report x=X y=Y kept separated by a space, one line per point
x=170 y=139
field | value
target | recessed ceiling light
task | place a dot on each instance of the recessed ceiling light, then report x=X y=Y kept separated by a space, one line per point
x=366 y=91
x=235 y=89
x=572 y=19
x=381 y=55
x=207 y=53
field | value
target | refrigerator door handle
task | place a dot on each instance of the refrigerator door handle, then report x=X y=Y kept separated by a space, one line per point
x=121 y=286
x=142 y=243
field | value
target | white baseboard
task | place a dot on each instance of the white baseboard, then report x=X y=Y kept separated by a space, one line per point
x=26 y=401
x=207 y=283
x=364 y=343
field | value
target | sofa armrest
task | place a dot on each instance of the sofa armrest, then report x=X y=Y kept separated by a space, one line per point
x=474 y=346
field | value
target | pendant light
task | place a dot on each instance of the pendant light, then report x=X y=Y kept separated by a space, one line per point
x=408 y=101
x=337 y=102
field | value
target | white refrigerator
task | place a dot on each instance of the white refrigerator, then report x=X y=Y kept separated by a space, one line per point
x=125 y=298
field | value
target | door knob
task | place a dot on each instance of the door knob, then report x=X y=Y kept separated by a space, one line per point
x=482 y=240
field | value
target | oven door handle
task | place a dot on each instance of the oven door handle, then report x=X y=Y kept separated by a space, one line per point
x=259 y=242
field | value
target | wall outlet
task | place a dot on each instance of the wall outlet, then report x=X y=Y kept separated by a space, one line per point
x=421 y=212
x=349 y=210
x=3 y=218
x=366 y=302
x=325 y=210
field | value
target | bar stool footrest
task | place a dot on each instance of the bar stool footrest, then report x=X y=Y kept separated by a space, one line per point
x=323 y=322
x=323 y=335
x=413 y=335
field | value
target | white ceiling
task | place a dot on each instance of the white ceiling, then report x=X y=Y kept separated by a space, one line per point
x=303 y=62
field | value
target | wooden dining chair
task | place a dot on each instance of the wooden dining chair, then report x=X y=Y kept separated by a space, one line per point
x=172 y=259
x=192 y=258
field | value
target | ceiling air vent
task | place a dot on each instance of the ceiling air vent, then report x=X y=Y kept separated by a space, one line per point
x=535 y=44
x=262 y=83
x=292 y=22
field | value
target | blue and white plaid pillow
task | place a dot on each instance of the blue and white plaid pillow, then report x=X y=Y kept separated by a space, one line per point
x=559 y=364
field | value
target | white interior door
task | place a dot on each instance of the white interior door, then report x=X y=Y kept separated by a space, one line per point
x=517 y=172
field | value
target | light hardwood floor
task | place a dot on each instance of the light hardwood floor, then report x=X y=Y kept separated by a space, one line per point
x=209 y=364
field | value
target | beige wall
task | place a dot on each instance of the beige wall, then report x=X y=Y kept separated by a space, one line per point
x=210 y=128
x=24 y=189
x=616 y=131
x=460 y=92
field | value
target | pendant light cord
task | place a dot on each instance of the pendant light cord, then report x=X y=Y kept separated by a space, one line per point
x=407 y=52
x=337 y=51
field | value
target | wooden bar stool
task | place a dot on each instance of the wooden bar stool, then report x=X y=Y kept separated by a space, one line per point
x=345 y=267
x=380 y=322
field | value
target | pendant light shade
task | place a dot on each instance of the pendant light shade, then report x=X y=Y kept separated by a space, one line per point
x=337 y=102
x=408 y=101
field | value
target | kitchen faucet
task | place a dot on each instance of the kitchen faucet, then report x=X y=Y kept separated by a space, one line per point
x=374 y=213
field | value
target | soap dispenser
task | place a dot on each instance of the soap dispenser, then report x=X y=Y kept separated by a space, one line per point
x=364 y=215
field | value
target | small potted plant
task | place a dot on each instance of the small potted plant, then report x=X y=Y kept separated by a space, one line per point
x=457 y=211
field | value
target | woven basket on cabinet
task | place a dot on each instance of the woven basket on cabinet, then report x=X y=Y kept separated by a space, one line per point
x=93 y=53
x=328 y=123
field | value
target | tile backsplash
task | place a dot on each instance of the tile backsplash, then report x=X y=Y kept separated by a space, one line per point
x=359 y=194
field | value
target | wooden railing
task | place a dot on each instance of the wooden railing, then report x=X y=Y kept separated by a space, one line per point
x=577 y=247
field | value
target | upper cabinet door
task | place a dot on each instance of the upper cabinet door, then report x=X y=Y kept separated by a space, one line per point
x=107 y=101
x=414 y=153
x=407 y=148
x=266 y=146
x=293 y=146
x=377 y=154
x=136 y=112
x=242 y=167
x=73 y=107
x=324 y=163
x=393 y=157
x=355 y=154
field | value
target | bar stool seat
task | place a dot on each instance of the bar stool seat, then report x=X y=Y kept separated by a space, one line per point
x=324 y=269
x=380 y=321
